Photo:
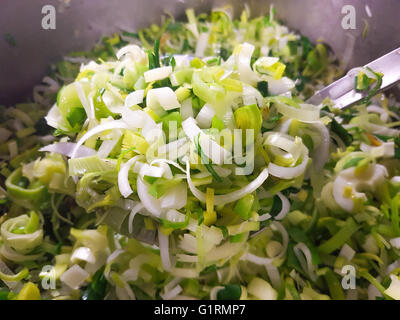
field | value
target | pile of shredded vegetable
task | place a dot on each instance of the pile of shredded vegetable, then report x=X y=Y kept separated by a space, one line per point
x=182 y=162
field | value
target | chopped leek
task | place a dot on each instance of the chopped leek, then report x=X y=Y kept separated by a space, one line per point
x=150 y=188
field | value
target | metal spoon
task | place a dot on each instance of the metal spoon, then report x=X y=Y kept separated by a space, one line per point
x=342 y=93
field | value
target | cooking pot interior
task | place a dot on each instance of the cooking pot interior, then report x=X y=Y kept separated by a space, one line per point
x=27 y=50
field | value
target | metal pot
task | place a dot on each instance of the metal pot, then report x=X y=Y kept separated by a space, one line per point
x=80 y=23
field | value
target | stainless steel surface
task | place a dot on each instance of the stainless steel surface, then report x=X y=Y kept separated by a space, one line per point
x=81 y=23
x=342 y=92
